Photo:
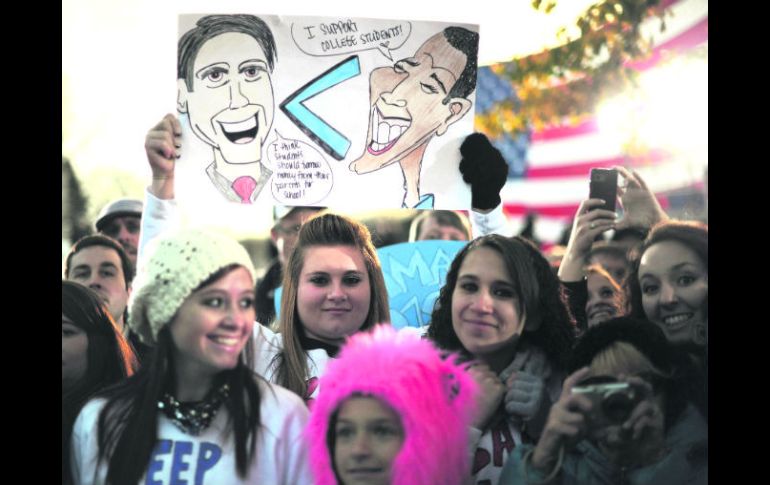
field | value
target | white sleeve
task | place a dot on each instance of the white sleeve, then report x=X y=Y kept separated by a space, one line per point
x=84 y=447
x=494 y=222
x=421 y=331
x=158 y=216
x=267 y=344
x=296 y=465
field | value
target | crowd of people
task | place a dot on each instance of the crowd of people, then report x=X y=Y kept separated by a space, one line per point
x=176 y=367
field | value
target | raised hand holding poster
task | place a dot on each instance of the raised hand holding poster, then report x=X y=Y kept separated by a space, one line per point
x=339 y=112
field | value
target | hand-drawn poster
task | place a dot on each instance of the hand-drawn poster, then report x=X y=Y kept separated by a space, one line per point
x=338 y=112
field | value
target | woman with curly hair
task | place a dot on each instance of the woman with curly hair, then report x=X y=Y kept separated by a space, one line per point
x=503 y=307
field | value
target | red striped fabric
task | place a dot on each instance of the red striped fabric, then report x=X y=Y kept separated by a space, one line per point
x=560 y=157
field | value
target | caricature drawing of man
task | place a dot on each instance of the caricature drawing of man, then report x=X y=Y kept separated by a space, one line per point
x=224 y=86
x=417 y=98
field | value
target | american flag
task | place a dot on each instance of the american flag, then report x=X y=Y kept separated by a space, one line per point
x=549 y=168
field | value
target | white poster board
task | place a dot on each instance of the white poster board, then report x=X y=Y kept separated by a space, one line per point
x=349 y=113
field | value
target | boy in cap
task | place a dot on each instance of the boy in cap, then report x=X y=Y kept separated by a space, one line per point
x=120 y=220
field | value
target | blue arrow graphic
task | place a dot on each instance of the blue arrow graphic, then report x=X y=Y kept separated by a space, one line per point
x=332 y=141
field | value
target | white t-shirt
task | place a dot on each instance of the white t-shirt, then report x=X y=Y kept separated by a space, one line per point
x=268 y=344
x=281 y=454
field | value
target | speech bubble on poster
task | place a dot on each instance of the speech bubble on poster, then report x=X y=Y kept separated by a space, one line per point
x=301 y=175
x=345 y=36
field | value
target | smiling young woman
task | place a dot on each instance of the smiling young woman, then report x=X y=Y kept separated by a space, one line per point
x=669 y=281
x=333 y=287
x=605 y=296
x=668 y=285
x=503 y=307
x=197 y=407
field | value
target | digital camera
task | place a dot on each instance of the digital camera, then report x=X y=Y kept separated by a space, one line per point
x=613 y=401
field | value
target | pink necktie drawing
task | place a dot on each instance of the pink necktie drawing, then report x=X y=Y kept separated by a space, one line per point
x=244 y=186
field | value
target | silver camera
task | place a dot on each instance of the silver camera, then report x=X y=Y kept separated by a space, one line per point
x=613 y=401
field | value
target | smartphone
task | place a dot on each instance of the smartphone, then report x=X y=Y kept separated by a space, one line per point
x=604 y=185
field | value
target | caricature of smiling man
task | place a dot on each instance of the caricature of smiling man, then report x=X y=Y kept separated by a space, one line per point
x=417 y=98
x=224 y=86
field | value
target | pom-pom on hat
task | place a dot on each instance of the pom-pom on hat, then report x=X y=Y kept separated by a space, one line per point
x=434 y=398
x=173 y=266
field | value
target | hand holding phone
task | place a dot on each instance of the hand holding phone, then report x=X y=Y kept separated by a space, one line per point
x=641 y=207
x=604 y=185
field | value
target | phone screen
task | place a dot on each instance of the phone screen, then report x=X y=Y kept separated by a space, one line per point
x=604 y=185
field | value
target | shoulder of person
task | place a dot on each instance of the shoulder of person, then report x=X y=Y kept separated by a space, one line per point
x=690 y=429
x=263 y=334
x=278 y=399
x=281 y=411
x=93 y=407
x=88 y=416
x=419 y=331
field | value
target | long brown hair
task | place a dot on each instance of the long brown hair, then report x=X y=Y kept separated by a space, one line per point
x=110 y=358
x=692 y=234
x=539 y=290
x=127 y=428
x=323 y=229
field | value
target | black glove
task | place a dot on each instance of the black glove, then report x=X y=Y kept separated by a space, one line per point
x=485 y=169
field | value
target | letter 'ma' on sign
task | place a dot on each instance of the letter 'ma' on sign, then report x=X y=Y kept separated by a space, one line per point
x=416 y=264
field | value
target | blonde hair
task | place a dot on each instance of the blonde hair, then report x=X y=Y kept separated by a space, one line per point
x=623 y=358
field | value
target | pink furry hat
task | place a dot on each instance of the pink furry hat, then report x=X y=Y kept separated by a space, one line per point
x=433 y=396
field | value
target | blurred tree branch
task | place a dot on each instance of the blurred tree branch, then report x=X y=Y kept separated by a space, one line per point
x=566 y=82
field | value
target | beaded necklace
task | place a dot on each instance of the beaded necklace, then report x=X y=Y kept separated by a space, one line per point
x=194 y=417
